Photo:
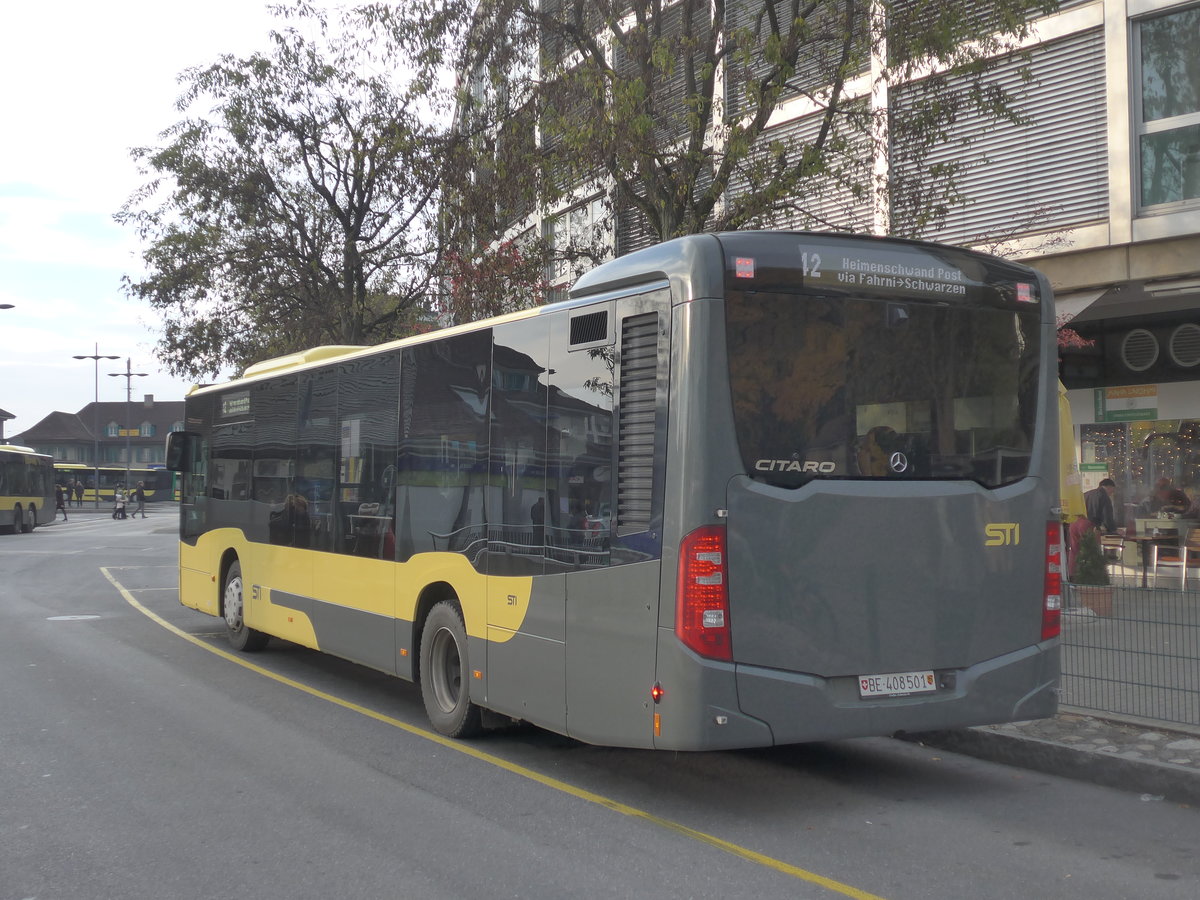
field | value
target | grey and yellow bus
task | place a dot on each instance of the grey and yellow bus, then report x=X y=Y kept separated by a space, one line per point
x=739 y=490
x=157 y=482
x=26 y=489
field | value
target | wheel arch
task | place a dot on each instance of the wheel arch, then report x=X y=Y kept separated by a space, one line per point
x=430 y=596
x=228 y=558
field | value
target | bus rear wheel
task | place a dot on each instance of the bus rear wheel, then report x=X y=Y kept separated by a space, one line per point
x=241 y=637
x=444 y=673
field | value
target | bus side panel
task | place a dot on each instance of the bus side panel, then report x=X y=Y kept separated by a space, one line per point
x=612 y=617
x=198 y=588
x=354 y=606
x=699 y=707
x=526 y=665
x=282 y=575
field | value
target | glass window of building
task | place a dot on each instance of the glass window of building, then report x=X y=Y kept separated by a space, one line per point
x=1168 y=127
x=573 y=232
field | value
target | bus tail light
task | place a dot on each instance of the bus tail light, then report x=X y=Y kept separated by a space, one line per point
x=1052 y=596
x=702 y=595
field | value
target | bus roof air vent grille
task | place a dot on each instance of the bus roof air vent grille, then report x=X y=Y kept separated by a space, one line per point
x=1139 y=350
x=1184 y=346
x=589 y=328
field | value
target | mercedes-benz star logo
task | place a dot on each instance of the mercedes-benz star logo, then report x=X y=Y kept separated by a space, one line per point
x=898 y=462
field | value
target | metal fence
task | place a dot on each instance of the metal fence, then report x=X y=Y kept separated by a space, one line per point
x=1136 y=652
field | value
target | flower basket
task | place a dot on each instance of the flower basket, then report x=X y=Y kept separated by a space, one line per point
x=1097 y=598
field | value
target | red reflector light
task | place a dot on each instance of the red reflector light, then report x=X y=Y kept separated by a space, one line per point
x=702 y=595
x=1052 y=595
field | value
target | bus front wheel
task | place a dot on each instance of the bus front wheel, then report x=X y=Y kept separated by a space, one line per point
x=30 y=522
x=241 y=637
x=445 y=672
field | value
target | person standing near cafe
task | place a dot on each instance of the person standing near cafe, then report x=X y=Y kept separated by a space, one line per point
x=1099 y=505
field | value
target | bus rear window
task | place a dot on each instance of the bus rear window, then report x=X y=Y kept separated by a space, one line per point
x=843 y=387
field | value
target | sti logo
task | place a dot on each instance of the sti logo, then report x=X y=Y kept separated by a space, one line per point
x=1002 y=534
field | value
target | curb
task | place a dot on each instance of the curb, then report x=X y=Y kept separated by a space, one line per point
x=1179 y=784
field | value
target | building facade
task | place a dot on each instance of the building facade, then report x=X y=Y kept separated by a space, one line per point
x=1097 y=185
x=1128 y=284
x=107 y=433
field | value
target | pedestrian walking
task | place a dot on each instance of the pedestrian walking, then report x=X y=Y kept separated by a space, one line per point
x=78 y=493
x=58 y=502
x=119 y=502
x=139 y=494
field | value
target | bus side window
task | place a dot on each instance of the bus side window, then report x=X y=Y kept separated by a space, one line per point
x=579 y=452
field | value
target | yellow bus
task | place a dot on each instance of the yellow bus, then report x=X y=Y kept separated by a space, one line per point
x=159 y=483
x=739 y=490
x=26 y=489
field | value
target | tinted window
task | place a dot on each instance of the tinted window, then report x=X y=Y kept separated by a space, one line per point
x=579 y=453
x=274 y=476
x=517 y=504
x=443 y=457
x=855 y=388
x=368 y=398
x=313 y=495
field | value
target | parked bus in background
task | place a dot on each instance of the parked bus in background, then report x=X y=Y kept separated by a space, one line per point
x=159 y=483
x=26 y=489
x=739 y=490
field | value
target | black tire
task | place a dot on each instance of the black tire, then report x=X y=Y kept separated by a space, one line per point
x=233 y=608
x=18 y=520
x=30 y=522
x=445 y=673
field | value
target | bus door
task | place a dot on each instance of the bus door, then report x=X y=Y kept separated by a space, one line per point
x=610 y=364
x=526 y=596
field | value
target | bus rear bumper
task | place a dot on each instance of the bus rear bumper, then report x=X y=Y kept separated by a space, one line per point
x=797 y=707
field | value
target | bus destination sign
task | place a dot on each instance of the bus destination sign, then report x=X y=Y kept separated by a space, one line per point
x=912 y=274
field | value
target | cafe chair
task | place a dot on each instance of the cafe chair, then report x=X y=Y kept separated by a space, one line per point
x=1190 y=551
x=1184 y=555
x=1113 y=548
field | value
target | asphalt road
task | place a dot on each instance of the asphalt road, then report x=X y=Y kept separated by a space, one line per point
x=139 y=758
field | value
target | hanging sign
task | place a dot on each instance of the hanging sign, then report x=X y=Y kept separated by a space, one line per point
x=1131 y=403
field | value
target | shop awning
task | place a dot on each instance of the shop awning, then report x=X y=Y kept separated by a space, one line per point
x=1136 y=299
x=1068 y=306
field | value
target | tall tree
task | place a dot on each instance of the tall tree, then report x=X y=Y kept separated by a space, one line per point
x=295 y=204
x=670 y=109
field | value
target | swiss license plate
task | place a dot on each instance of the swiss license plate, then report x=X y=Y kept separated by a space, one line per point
x=896 y=684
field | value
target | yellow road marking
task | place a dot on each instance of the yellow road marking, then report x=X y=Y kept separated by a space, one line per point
x=514 y=768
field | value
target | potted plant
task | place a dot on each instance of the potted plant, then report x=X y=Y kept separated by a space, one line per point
x=1093 y=587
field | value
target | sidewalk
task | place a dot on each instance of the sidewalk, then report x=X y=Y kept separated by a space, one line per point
x=1139 y=757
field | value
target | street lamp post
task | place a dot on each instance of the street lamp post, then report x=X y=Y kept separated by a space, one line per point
x=128 y=375
x=96 y=357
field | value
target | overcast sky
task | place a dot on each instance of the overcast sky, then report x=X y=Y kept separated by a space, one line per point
x=83 y=82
